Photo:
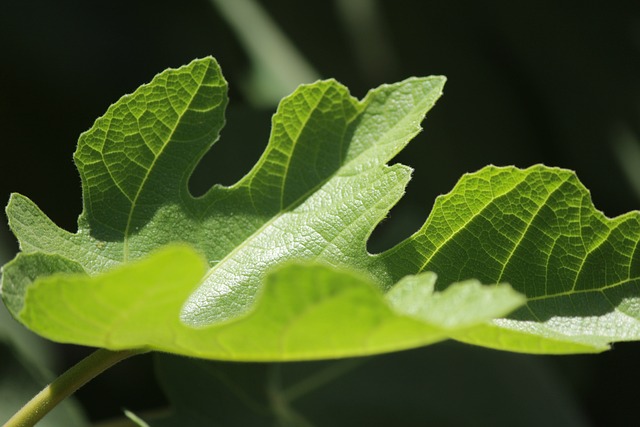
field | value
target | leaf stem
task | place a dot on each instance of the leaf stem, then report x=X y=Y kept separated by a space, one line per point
x=66 y=384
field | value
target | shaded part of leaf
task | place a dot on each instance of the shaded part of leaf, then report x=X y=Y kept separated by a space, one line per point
x=140 y=154
x=460 y=305
x=307 y=145
x=19 y=275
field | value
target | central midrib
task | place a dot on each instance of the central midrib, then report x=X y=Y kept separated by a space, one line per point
x=125 y=250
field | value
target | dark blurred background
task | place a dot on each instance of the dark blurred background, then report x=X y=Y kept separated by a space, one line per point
x=554 y=82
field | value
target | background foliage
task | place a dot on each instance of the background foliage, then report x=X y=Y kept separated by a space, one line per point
x=529 y=82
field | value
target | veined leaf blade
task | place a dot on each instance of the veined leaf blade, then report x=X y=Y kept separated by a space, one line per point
x=316 y=194
x=537 y=230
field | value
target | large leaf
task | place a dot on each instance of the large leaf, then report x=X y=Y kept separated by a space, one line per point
x=301 y=313
x=316 y=194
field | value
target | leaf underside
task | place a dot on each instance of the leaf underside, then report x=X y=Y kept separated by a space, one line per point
x=275 y=267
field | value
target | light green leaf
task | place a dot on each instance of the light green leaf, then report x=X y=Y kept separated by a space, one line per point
x=460 y=305
x=301 y=312
x=320 y=188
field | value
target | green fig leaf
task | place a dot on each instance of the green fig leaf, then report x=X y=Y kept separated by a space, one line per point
x=286 y=236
